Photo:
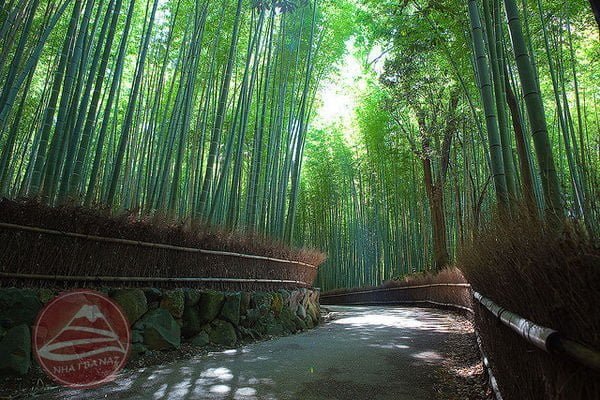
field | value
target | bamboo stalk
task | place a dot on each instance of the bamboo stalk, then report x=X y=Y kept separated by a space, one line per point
x=150 y=245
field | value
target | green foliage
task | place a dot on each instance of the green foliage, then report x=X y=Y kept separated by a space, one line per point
x=190 y=108
x=369 y=202
x=203 y=109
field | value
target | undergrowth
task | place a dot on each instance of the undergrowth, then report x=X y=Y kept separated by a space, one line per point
x=27 y=252
x=550 y=275
x=447 y=275
x=419 y=296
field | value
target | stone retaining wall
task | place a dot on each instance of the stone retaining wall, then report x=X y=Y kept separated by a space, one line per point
x=163 y=319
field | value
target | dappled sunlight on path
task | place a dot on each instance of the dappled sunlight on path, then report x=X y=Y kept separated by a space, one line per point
x=365 y=352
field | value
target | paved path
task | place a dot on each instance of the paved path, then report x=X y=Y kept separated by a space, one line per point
x=364 y=353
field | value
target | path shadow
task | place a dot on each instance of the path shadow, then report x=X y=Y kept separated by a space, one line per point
x=364 y=353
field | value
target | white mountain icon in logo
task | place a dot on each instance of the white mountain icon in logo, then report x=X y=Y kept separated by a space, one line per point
x=87 y=334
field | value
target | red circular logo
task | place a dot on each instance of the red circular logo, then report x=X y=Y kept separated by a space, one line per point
x=81 y=339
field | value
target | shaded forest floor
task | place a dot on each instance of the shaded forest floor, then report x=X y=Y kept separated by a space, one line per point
x=463 y=376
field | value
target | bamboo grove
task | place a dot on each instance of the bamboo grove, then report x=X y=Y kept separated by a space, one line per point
x=483 y=108
x=208 y=110
x=195 y=109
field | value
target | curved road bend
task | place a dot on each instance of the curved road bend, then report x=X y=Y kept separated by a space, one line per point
x=364 y=353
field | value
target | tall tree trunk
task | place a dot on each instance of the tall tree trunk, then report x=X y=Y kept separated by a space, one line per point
x=220 y=117
x=80 y=133
x=108 y=107
x=127 y=122
x=495 y=57
x=596 y=10
x=40 y=159
x=535 y=111
x=435 y=195
x=524 y=165
x=485 y=87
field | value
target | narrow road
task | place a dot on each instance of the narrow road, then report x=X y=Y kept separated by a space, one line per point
x=364 y=353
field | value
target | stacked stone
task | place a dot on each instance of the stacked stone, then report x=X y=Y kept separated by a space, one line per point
x=18 y=311
x=162 y=319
